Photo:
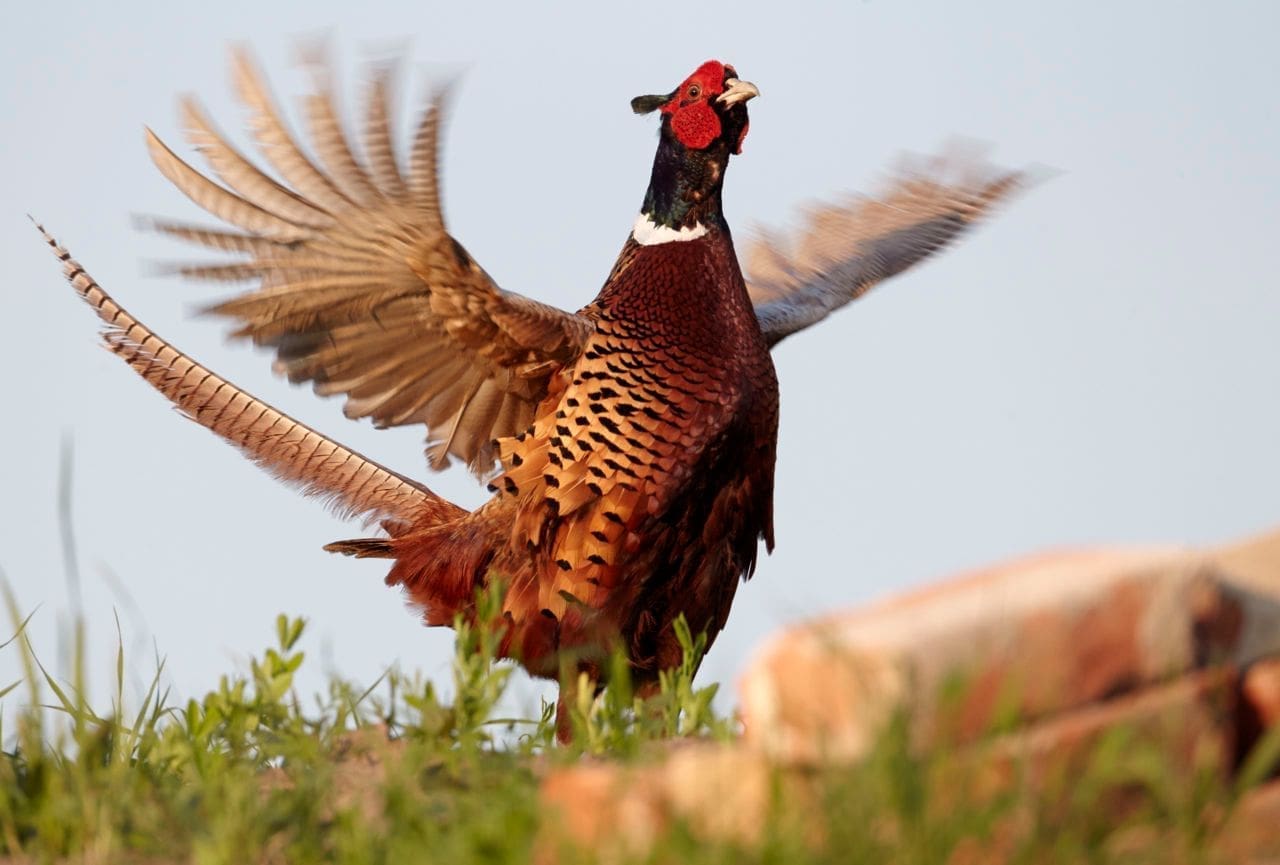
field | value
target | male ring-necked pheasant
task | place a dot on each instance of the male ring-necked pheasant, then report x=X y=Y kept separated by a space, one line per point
x=634 y=440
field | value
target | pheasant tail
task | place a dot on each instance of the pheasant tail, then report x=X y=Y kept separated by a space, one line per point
x=292 y=451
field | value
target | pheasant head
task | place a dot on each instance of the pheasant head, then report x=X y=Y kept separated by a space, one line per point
x=704 y=122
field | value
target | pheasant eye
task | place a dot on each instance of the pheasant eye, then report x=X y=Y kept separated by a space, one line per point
x=695 y=91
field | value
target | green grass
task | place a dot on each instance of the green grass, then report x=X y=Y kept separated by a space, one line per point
x=250 y=772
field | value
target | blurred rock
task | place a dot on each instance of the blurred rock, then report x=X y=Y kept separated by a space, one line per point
x=719 y=791
x=1261 y=692
x=1026 y=673
x=1254 y=565
x=358 y=764
x=1255 y=562
x=726 y=793
x=1252 y=831
x=1014 y=643
x=1188 y=723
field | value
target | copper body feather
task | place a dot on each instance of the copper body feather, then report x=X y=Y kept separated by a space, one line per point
x=629 y=446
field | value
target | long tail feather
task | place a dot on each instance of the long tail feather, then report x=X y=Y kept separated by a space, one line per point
x=363 y=548
x=293 y=452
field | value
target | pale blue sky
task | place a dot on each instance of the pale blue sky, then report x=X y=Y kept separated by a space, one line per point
x=1099 y=364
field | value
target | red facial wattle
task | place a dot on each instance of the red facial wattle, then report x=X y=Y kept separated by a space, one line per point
x=695 y=125
x=693 y=120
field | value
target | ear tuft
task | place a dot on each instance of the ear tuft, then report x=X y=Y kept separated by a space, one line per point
x=648 y=104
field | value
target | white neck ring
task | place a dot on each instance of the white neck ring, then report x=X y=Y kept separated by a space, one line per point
x=648 y=233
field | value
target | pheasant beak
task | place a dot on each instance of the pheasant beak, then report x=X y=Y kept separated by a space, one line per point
x=736 y=91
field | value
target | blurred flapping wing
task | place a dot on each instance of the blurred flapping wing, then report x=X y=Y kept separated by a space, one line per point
x=352 y=484
x=845 y=249
x=362 y=289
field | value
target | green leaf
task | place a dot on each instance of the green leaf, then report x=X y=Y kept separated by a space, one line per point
x=21 y=627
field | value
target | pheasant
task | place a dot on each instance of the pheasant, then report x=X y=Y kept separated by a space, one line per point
x=629 y=446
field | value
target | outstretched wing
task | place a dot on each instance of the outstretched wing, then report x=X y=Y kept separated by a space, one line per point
x=297 y=454
x=362 y=289
x=845 y=249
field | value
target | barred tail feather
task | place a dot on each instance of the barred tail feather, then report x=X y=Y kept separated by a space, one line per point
x=350 y=483
x=364 y=548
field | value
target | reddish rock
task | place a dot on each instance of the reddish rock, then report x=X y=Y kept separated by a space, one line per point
x=1254 y=562
x=1060 y=651
x=1024 y=640
x=358 y=762
x=617 y=810
x=1183 y=726
x=1261 y=692
x=725 y=793
x=1189 y=722
x=1252 y=830
x=1254 y=565
x=1247 y=834
x=607 y=808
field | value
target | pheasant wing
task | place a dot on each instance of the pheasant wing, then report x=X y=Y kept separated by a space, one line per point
x=847 y=248
x=297 y=454
x=362 y=290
